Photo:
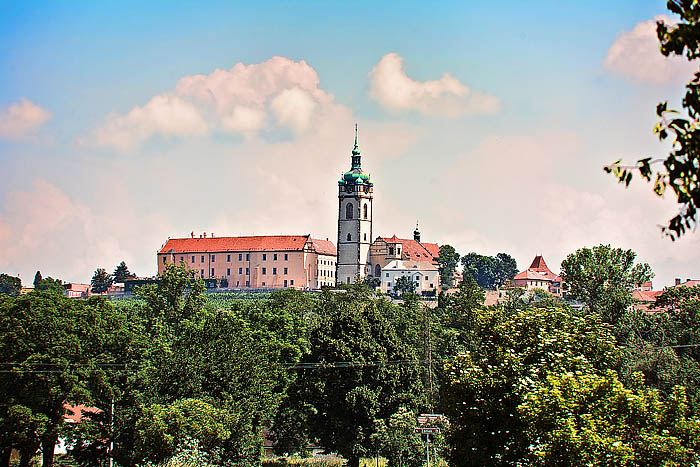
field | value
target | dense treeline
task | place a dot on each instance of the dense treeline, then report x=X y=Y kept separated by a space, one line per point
x=528 y=382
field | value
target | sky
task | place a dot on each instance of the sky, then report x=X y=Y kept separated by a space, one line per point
x=123 y=124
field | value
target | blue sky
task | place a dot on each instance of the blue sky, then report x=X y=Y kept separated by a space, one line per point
x=507 y=156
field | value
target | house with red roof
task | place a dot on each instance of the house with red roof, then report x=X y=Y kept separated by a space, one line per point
x=393 y=257
x=255 y=262
x=539 y=276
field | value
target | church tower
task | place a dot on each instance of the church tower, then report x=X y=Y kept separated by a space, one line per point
x=354 y=221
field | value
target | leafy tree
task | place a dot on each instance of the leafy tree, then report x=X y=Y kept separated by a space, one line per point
x=511 y=353
x=101 y=281
x=679 y=170
x=37 y=279
x=122 y=273
x=582 y=419
x=489 y=271
x=50 y=284
x=447 y=263
x=603 y=277
x=10 y=285
x=404 y=285
x=361 y=329
x=398 y=442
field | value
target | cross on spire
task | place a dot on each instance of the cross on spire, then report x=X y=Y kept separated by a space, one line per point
x=356 y=153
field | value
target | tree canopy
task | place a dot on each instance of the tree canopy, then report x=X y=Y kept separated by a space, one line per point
x=489 y=271
x=679 y=171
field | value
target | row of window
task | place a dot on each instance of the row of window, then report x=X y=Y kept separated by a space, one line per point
x=349 y=211
x=350 y=238
x=247 y=271
x=228 y=257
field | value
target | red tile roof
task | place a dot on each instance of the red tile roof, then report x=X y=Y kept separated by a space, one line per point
x=689 y=283
x=540 y=267
x=529 y=274
x=220 y=244
x=647 y=297
x=413 y=250
x=74 y=413
x=324 y=247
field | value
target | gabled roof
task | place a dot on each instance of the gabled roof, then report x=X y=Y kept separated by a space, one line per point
x=412 y=250
x=531 y=275
x=324 y=247
x=221 y=244
x=689 y=283
x=539 y=266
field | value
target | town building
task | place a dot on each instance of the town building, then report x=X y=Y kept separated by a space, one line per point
x=539 y=276
x=255 y=262
x=355 y=195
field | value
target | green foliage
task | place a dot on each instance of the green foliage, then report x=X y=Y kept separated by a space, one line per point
x=50 y=285
x=10 y=285
x=398 y=442
x=603 y=277
x=343 y=403
x=315 y=461
x=489 y=272
x=581 y=419
x=404 y=285
x=122 y=273
x=101 y=281
x=680 y=169
x=447 y=263
x=511 y=354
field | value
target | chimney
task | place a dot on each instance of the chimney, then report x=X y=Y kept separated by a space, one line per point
x=678 y=281
x=205 y=235
x=192 y=234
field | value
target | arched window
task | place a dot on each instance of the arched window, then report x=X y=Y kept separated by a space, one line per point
x=348 y=211
x=377 y=271
x=365 y=211
x=349 y=237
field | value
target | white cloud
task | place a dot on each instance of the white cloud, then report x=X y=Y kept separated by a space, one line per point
x=21 y=119
x=394 y=90
x=236 y=100
x=635 y=55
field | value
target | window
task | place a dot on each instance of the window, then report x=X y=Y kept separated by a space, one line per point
x=193 y=259
x=201 y=260
x=291 y=282
x=365 y=237
x=263 y=284
x=228 y=258
x=387 y=274
x=264 y=270
x=213 y=258
x=389 y=284
x=274 y=257
x=201 y=272
x=237 y=283
x=274 y=270
x=240 y=257
x=264 y=257
x=348 y=211
x=285 y=282
x=431 y=286
x=182 y=259
x=247 y=283
x=240 y=270
x=398 y=251
x=212 y=272
x=163 y=259
x=364 y=211
x=228 y=271
x=247 y=271
x=247 y=256
x=349 y=237
x=391 y=250
x=285 y=270
x=377 y=271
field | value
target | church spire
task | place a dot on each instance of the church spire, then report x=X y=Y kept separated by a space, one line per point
x=355 y=153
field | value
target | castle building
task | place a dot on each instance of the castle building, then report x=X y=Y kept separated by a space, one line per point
x=270 y=261
x=539 y=276
x=355 y=193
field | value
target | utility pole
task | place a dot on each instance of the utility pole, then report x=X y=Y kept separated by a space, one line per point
x=111 y=435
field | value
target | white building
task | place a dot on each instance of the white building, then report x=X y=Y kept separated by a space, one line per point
x=423 y=274
x=355 y=193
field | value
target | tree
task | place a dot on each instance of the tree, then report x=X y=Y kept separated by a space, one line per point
x=404 y=285
x=397 y=440
x=582 y=419
x=447 y=264
x=122 y=273
x=10 y=285
x=489 y=272
x=603 y=277
x=510 y=353
x=37 y=279
x=101 y=281
x=49 y=284
x=361 y=329
x=679 y=170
